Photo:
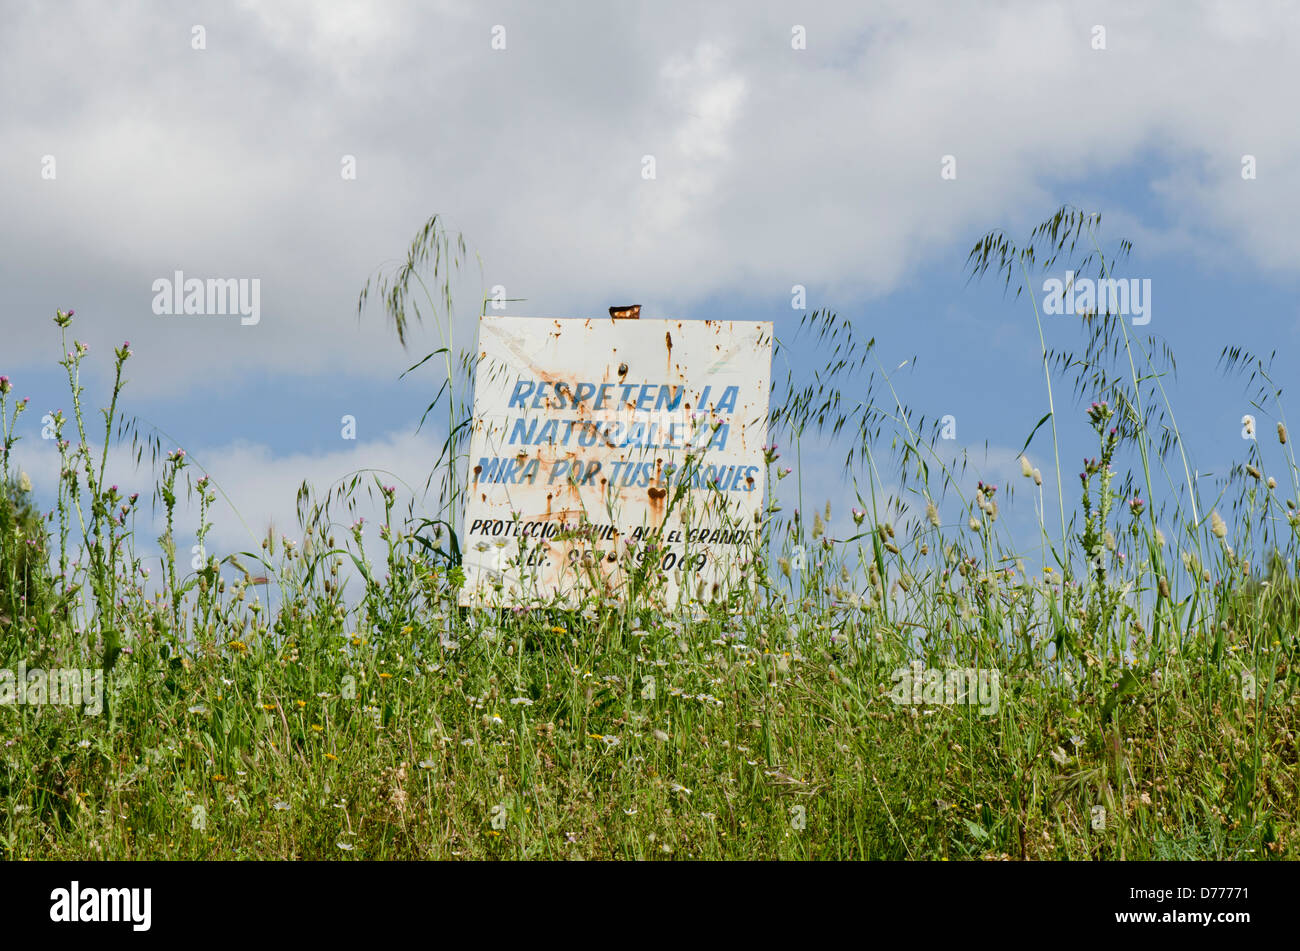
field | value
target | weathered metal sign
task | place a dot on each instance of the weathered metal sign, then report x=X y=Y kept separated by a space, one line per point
x=604 y=450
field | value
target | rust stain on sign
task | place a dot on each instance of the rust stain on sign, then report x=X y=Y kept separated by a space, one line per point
x=591 y=454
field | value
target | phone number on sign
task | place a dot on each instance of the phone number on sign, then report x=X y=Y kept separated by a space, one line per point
x=668 y=560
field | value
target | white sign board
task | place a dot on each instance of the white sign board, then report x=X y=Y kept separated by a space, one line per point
x=607 y=453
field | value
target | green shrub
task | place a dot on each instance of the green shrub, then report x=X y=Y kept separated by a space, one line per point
x=24 y=572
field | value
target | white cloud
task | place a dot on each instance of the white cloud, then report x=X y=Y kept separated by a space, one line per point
x=775 y=166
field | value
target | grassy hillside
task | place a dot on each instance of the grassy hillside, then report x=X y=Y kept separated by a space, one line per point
x=1135 y=699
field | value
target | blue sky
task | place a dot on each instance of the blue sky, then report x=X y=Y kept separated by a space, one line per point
x=775 y=166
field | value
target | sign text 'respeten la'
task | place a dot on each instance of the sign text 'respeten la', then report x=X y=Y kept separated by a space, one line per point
x=601 y=445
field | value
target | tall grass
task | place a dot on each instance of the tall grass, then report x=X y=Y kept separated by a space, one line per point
x=1147 y=702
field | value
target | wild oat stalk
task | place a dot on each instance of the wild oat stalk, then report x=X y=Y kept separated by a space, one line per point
x=406 y=297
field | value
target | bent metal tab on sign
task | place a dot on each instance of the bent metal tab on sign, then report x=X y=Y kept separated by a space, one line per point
x=605 y=450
